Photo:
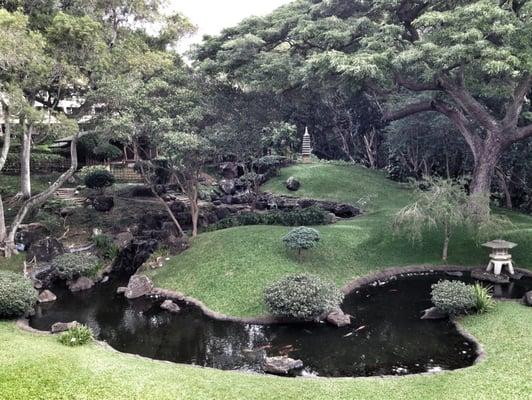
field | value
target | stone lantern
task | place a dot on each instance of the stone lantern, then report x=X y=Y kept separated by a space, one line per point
x=306 y=149
x=500 y=256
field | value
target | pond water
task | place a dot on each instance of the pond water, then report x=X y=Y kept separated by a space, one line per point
x=386 y=336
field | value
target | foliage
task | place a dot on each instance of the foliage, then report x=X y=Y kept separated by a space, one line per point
x=70 y=266
x=99 y=179
x=302 y=238
x=453 y=297
x=270 y=164
x=17 y=295
x=483 y=299
x=302 y=296
x=313 y=215
x=107 y=151
x=280 y=137
x=105 y=246
x=78 y=335
x=40 y=161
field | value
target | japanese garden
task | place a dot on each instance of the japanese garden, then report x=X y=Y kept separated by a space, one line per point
x=329 y=199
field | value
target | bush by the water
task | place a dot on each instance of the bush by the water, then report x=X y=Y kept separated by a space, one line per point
x=483 y=298
x=17 y=295
x=70 y=266
x=302 y=296
x=307 y=216
x=99 y=179
x=106 y=247
x=76 y=336
x=453 y=297
x=302 y=238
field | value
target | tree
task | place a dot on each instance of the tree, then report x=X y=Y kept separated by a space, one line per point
x=466 y=60
x=186 y=154
x=440 y=204
x=302 y=238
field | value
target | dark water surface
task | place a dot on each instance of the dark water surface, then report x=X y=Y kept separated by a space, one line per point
x=386 y=336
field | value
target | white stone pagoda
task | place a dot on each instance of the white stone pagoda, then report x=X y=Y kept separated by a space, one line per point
x=306 y=149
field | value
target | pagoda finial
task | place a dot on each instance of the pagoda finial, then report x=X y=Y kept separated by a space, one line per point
x=306 y=149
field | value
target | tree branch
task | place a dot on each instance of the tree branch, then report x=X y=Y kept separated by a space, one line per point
x=411 y=109
x=514 y=107
x=416 y=86
x=522 y=133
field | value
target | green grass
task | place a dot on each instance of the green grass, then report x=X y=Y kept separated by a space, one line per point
x=13 y=264
x=38 y=367
x=9 y=184
x=228 y=269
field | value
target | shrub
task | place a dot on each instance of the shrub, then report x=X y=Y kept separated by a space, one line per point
x=17 y=295
x=302 y=296
x=76 y=336
x=483 y=300
x=70 y=266
x=301 y=238
x=453 y=297
x=106 y=247
x=99 y=179
x=107 y=151
x=270 y=164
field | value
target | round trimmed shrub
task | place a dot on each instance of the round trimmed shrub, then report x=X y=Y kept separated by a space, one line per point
x=76 y=336
x=71 y=266
x=17 y=295
x=453 y=297
x=301 y=238
x=302 y=296
x=107 y=151
x=99 y=179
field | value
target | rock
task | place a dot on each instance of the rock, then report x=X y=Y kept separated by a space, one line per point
x=31 y=233
x=227 y=199
x=482 y=275
x=346 y=211
x=45 y=250
x=170 y=306
x=46 y=297
x=121 y=290
x=281 y=365
x=243 y=198
x=222 y=212
x=123 y=239
x=433 y=313
x=134 y=255
x=338 y=318
x=227 y=186
x=454 y=273
x=178 y=206
x=229 y=170
x=80 y=284
x=67 y=211
x=105 y=279
x=517 y=275
x=59 y=327
x=527 y=299
x=293 y=184
x=103 y=203
x=138 y=286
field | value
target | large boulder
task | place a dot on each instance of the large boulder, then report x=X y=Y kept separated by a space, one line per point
x=59 y=327
x=338 y=318
x=527 y=299
x=136 y=253
x=45 y=250
x=80 y=284
x=103 y=203
x=345 y=211
x=138 y=286
x=282 y=365
x=46 y=297
x=293 y=184
x=229 y=170
x=123 y=239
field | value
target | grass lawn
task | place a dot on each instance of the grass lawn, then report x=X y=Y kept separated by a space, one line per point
x=38 y=367
x=228 y=269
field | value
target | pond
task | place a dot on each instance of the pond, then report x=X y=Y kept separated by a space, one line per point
x=386 y=336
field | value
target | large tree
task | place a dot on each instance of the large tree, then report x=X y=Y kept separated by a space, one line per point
x=467 y=60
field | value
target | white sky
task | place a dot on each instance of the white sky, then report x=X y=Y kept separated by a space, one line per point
x=211 y=16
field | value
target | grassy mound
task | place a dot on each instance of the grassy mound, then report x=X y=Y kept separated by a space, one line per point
x=229 y=269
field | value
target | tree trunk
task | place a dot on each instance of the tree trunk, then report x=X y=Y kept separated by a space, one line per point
x=504 y=187
x=40 y=199
x=25 y=156
x=445 y=251
x=3 y=232
x=484 y=169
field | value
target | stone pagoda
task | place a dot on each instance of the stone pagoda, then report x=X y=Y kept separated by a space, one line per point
x=306 y=149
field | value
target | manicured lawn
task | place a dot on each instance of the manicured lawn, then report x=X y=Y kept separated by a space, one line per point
x=38 y=367
x=228 y=269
